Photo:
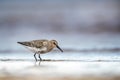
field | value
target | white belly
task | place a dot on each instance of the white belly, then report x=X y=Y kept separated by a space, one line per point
x=37 y=50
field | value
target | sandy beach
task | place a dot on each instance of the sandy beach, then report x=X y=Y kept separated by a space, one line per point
x=59 y=70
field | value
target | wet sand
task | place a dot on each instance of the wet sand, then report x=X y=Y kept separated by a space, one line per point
x=58 y=78
x=59 y=70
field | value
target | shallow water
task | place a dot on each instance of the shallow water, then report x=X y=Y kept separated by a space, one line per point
x=78 y=56
x=58 y=70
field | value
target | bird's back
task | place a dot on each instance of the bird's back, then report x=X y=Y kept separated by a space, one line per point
x=37 y=46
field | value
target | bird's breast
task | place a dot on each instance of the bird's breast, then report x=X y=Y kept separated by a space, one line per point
x=37 y=50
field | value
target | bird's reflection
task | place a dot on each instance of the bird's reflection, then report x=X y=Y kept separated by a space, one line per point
x=37 y=63
x=44 y=64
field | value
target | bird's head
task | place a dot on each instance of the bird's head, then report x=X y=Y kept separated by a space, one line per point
x=55 y=44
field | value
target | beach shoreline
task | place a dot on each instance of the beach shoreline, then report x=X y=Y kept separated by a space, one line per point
x=59 y=70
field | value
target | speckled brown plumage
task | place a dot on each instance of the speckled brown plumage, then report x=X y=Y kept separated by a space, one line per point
x=40 y=46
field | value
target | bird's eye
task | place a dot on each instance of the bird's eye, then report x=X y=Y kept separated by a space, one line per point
x=54 y=43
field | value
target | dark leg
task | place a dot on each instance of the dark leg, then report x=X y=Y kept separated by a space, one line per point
x=40 y=58
x=35 y=56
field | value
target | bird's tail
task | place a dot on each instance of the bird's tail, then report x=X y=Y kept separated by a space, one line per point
x=24 y=43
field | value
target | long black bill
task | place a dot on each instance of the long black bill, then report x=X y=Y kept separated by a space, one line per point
x=59 y=48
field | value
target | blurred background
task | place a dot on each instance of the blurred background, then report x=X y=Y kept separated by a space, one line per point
x=78 y=25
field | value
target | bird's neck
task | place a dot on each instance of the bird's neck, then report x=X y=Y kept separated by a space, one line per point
x=50 y=47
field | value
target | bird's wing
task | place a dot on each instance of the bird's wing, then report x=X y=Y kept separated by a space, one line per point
x=34 y=43
x=38 y=43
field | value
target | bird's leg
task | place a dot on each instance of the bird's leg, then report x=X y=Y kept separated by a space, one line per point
x=40 y=57
x=35 y=56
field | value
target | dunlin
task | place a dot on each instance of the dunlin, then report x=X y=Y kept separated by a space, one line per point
x=40 y=46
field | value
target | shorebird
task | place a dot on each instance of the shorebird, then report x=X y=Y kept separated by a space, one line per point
x=40 y=46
